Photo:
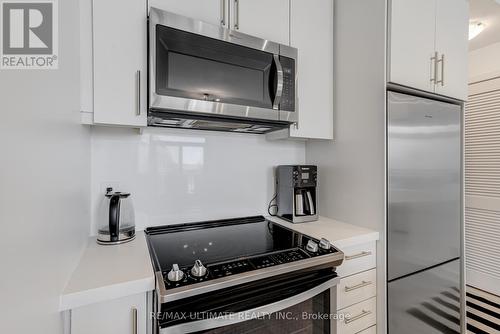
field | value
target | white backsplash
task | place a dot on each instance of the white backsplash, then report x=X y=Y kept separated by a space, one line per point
x=177 y=175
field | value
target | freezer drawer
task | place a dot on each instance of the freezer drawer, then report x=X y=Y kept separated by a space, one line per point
x=426 y=302
x=424 y=183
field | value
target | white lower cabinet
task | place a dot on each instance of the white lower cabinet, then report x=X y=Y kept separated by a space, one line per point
x=356 y=301
x=358 y=317
x=356 y=288
x=126 y=315
x=358 y=258
x=371 y=330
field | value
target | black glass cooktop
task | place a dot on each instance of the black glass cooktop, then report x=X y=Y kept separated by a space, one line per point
x=225 y=248
x=218 y=241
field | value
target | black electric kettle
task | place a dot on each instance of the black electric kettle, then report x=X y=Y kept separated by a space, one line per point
x=117 y=223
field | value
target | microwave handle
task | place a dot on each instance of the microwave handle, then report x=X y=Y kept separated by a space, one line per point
x=279 y=86
x=246 y=315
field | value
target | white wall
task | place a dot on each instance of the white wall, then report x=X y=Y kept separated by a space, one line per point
x=352 y=167
x=178 y=175
x=484 y=63
x=44 y=186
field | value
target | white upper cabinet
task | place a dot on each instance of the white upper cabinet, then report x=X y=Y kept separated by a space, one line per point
x=311 y=32
x=116 y=54
x=120 y=62
x=267 y=19
x=428 y=45
x=452 y=44
x=210 y=11
x=413 y=25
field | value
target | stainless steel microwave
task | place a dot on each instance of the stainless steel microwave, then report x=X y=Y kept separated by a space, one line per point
x=204 y=76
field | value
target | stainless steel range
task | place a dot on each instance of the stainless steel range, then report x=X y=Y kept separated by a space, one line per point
x=241 y=274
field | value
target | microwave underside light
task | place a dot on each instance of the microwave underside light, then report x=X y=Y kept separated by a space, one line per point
x=172 y=119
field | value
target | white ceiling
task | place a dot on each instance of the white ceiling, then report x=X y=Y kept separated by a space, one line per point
x=487 y=12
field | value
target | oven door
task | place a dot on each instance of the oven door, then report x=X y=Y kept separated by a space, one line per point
x=299 y=303
x=197 y=67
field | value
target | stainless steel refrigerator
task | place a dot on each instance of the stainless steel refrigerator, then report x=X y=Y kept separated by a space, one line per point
x=424 y=215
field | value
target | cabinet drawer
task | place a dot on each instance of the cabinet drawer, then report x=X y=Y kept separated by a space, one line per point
x=358 y=317
x=356 y=288
x=371 y=330
x=358 y=258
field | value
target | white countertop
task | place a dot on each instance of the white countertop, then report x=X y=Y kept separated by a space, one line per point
x=109 y=272
x=339 y=234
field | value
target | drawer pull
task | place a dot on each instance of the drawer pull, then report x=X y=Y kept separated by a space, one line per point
x=358 y=286
x=359 y=316
x=356 y=256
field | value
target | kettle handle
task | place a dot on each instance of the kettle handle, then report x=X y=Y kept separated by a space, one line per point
x=114 y=217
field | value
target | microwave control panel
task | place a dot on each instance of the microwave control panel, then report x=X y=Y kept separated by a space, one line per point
x=288 y=99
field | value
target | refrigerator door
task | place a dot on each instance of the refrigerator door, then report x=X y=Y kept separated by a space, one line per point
x=426 y=302
x=424 y=158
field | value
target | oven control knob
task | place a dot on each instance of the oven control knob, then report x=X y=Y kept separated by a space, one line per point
x=175 y=274
x=324 y=244
x=198 y=270
x=312 y=246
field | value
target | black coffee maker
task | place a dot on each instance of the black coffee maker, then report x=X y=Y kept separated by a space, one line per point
x=296 y=196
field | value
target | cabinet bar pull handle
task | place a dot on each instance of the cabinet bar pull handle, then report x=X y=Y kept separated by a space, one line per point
x=357 y=286
x=138 y=99
x=236 y=14
x=363 y=314
x=355 y=256
x=434 y=70
x=442 y=70
x=134 y=320
x=223 y=12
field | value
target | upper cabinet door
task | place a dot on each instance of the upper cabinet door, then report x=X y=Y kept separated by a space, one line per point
x=412 y=31
x=120 y=78
x=312 y=33
x=267 y=19
x=452 y=20
x=210 y=11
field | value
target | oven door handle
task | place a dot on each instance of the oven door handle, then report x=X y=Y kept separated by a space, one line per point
x=279 y=85
x=254 y=313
